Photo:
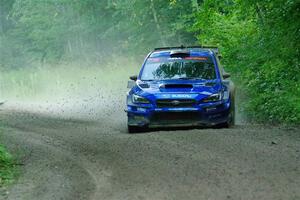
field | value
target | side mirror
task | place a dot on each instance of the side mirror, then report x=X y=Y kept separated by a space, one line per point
x=130 y=84
x=134 y=78
x=226 y=75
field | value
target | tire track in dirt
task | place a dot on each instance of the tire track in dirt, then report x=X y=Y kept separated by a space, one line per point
x=71 y=176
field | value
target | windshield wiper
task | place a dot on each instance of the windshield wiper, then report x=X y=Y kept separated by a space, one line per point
x=148 y=80
x=190 y=78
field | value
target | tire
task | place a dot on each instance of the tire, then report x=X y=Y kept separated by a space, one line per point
x=223 y=125
x=231 y=119
x=132 y=129
x=228 y=124
x=136 y=129
x=232 y=113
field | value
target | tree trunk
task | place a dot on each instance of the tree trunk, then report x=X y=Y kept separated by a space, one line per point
x=157 y=23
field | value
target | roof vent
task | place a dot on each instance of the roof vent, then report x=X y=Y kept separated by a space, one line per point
x=179 y=53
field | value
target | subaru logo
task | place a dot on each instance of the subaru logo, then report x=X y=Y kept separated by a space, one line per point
x=175 y=102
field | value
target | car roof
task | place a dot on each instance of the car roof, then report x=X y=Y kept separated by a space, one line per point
x=192 y=50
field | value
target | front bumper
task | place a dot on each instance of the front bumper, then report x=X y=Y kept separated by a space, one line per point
x=207 y=114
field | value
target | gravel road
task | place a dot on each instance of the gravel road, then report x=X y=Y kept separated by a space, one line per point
x=62 y=157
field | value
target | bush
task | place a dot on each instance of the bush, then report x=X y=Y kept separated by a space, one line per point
x=260 y=44
x=6 y=167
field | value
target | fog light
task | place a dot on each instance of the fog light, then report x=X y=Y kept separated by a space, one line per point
x=211 y=109
x=141 y=109
x=139 y=118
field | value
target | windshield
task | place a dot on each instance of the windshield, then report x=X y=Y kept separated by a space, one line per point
x=179 y=68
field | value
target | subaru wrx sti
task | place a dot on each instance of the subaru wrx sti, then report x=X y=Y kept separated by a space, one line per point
x=178 y=87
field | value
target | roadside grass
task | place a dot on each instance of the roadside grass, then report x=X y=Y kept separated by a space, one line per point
x=7 y=167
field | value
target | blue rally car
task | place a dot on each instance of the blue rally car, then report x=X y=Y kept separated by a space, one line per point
x=180 y=86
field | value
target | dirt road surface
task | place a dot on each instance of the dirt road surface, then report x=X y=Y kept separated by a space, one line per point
x=66 y=158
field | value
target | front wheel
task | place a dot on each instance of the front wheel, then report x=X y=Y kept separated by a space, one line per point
x=228 y=124
x=231 y=119
x=135 y=129
x=132 y=129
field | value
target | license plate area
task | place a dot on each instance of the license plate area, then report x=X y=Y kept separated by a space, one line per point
x=175 y=117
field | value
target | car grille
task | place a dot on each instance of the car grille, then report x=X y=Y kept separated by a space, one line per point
x=175 y=103
x=175 y=116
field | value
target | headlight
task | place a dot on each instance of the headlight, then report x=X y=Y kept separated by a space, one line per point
x=142 y=84
x=139 y=99
x=226 y=95
x=213 y=98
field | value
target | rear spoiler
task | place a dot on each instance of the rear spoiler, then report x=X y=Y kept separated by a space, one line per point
x=215 y=49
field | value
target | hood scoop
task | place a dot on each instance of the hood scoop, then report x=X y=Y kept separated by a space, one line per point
x=176 y=86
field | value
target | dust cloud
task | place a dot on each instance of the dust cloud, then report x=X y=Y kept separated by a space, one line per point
x=68 y=90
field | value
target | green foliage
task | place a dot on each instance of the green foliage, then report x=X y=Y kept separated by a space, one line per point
x=260 y=41
x=55 y=30
x=6 y=167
